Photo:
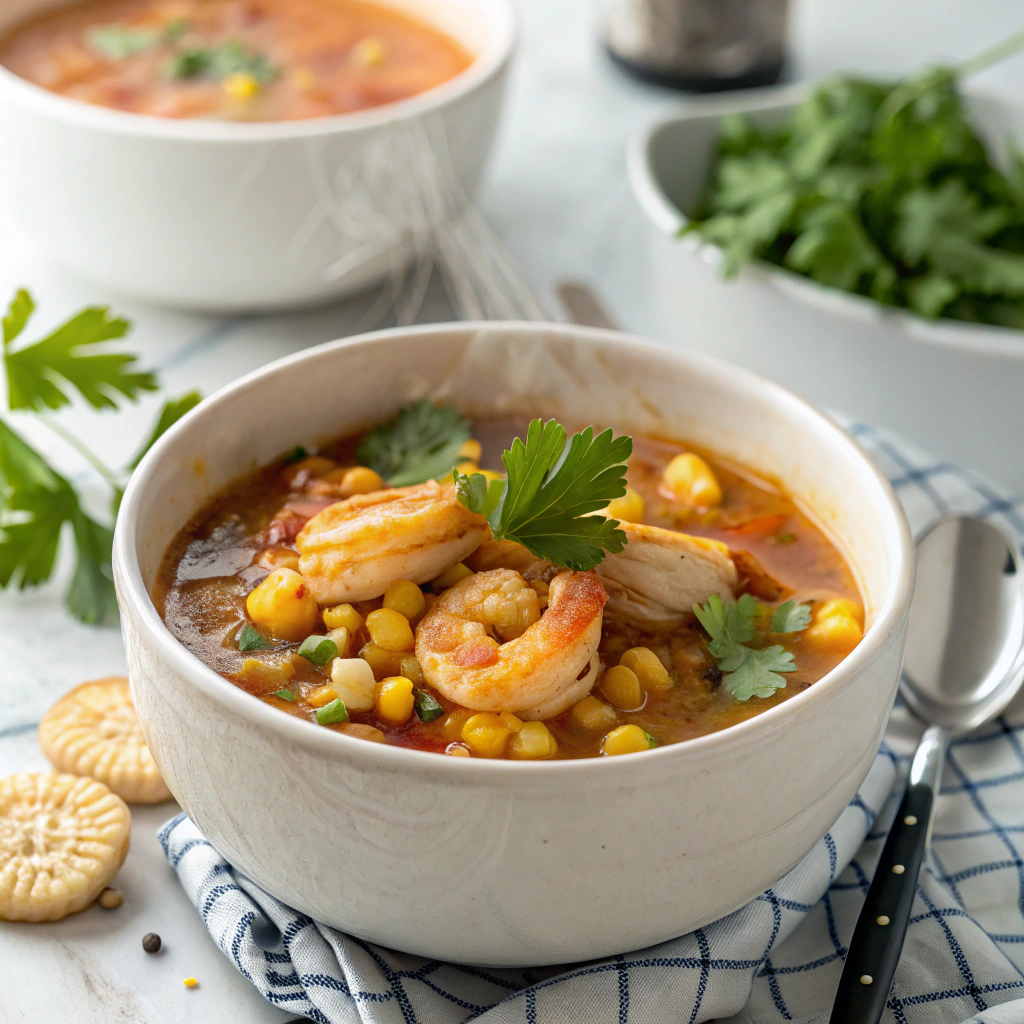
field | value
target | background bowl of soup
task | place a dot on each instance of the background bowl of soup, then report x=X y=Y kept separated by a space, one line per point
x=245 y=154
x=509 y=862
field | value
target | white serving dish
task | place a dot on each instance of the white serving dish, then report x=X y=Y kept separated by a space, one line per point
x=956 y=388
x=220 y=216
x=501 y=862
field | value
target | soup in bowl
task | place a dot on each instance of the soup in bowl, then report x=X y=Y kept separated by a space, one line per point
x=240 y=155
x=402 y=709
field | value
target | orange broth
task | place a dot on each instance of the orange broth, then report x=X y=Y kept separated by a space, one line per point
x=237 y=60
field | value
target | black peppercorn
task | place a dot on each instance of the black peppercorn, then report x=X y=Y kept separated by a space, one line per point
x=151 y=942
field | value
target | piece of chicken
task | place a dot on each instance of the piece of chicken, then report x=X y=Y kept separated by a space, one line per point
x=660 y=574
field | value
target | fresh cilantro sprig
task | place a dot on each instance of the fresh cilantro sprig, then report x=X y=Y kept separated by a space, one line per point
x=421 y=443
x=550 y=489
x=115 y=42
x=884 y=189
x=220 y=61
x=749 y=671
x=37 y=502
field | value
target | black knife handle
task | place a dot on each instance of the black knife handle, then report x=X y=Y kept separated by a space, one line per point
x=878 y=938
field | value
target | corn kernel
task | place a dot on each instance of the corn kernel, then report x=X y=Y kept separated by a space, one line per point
x=394 y=700
x=407 y=598
x=693 y=481
x=457 y=750
x=593 y=714
x=283 y=607
x=263 y=673
x=841 y=606
x=838 y=634
x=390 y=629
x=490 y=474
x=485 y=734
x=533 y=742
x=621 y=687
x=278 y=558
x=370 y=52
x=629 y=508
x=512 y=723
x=626 y=739
x=322 y=696
x=301 y=471
x=241 y=85
x=453 y=724
x=343 y=616
x=469 y=468
x=647 y=667
x=450 y=577
x=361 y=731
x=470 y=451
x=383 y=663
x=303 y=78
x=361 y=480
x=353 y=681
x=190 y=982
x=342 y=640
x=410 y=668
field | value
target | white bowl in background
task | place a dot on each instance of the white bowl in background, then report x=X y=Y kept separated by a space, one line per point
x=501 y=862
x=955 y=388
x=227 y=216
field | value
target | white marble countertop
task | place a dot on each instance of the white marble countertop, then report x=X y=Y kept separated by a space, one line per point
x=557 y=194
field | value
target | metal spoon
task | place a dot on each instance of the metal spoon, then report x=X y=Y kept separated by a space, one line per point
x=963 y=665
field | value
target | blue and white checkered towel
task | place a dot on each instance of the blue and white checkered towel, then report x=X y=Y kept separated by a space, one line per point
x=777 y=959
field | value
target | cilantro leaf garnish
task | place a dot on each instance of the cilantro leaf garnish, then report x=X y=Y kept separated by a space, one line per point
x=747 y=671
x=421 y=443
x=550 y=488
x=39 y=374
x=36 y=502
x=220 y=61
x=791 y=617
x=115 y=42
x=884 y=189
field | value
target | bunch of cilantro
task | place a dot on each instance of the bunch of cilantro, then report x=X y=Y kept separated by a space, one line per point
x=883 y=189
x=39 y=507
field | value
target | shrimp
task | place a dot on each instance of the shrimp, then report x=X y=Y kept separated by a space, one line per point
x=660 y=574
x=544 y=662
x=353 y=549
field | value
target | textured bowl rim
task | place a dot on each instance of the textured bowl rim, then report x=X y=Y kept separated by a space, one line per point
x=132 y=591
x=668 y=218
x=487 y=65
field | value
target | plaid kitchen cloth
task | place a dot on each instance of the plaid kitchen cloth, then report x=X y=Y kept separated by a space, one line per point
x=777 y=959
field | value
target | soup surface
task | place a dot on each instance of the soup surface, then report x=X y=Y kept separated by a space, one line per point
x=651 y=666
x=241 y=60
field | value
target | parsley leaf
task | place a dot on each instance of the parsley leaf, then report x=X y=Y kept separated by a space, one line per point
x=39 y=374
x=884 y=189
x=550 y=488
x=791 y=617
x=115 y=42
x=748 y=672
x=35 y=503
x=421 y=443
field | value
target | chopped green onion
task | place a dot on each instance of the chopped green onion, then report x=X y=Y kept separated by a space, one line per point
x=249 y=639
x=651 y=741
x=297 y=453
x=318 y=649
x=333 y=712
x=284 y=694
x=427 y=708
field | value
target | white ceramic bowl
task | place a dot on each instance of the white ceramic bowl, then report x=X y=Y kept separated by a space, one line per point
x=225 y=216
x=502 y=862
x=953 y=387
